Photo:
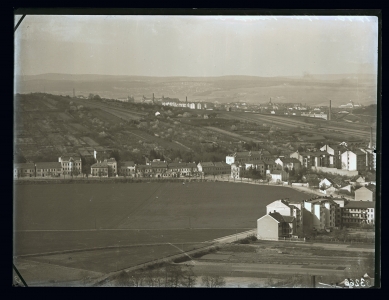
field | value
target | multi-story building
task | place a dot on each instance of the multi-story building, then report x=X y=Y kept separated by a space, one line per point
x=221 y=168
x=127 y=168
x=159 y=168
x=48 y=169
x=244 y=157
x=287 y=162
x=71 y=164
x=24 y=170
x=100 y=169
x=339 y=210
x=356 y=213
x=354 y=160
x=320 y=214
x=236 y=170
x=144 y=171
x=207 y=168
x=112 y=166
x=257 y=165
x=286 y=207
x=181 y=169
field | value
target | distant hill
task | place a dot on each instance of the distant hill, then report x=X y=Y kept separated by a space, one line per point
x=312 y=89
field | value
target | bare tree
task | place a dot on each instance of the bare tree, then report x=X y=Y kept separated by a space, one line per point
x=137 y=278
x=213 y=281
x=189 y=277
x=123 y=279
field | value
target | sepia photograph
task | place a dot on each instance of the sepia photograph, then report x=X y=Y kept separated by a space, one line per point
x=196 y=150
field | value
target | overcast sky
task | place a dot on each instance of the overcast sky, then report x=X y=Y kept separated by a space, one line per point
x=196 y=45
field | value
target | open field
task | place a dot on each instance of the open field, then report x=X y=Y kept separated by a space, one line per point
x=92 y=223
x=144 y=205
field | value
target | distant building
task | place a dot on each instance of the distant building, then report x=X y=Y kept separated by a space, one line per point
x=112 y=166
x=364 y=194
x=290 y=163
x=274 y=226
x=236 y=170
x=100 y=169
x=243 y=157
x=71 y=164
x=356 y=213
x=279 y=175
x=24 y=170
x=207 y=168
x=320 y=213
x=48 y=169
x=354 y=160
x=127 y=168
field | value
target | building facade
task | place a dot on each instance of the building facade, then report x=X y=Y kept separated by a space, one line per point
x=48 y=169
x=71 y=164
x=24 y=170
x=356 y=213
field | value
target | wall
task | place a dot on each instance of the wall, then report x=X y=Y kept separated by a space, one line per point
x=267 y=228
x=364 y=195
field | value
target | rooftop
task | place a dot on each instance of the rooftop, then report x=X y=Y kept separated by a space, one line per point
x=100 y=165
x=24 y=166
x=280 y=218
x=207 y=164
x=128 y=164
x=48 y=165
x=158 y=164
x=360 y=204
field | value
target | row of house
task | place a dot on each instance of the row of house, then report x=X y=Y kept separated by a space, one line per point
x=67 y=165
x=287 y=219
x=158 y=169
x=267 y=165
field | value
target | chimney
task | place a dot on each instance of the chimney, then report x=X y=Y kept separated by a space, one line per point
x=329 y=113
x=371 y=138
x=153 y=97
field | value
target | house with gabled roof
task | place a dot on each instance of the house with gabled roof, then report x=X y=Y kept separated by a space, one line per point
x=274 y=226
x=364 y=194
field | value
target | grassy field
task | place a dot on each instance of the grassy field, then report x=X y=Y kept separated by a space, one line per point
x=104 y=227
x=143 y=205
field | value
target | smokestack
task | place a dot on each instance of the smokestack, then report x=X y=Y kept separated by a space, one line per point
x=371 y=138
x=153 y=97
x=329 y=113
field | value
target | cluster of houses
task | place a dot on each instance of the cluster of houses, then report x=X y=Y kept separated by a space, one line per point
x=66 y=165
x=334 y=158
x=292 y=219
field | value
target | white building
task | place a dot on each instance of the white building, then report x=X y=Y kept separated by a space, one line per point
x=70 y=164
x=288 y=208
x=320 y=213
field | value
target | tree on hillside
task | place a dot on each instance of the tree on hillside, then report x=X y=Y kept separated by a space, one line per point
x=213 y=281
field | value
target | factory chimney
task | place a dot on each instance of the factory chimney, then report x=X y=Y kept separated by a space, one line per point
x=329 y=113
x=371 y=138
x=153 y=97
